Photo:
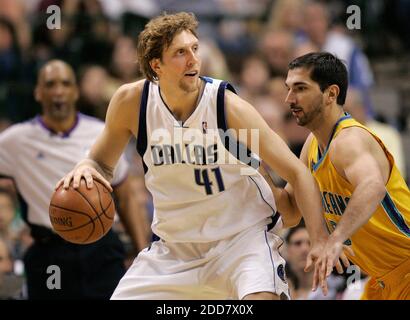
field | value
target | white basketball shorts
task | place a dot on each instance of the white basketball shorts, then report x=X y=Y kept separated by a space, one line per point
x=232 y=268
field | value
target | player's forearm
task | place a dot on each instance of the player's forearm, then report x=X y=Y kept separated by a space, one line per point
x=363 y=203
x=285 y=204
x=308 y=200
x=287 y=208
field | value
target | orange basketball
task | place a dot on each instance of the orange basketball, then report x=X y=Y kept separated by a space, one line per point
x=82 y=215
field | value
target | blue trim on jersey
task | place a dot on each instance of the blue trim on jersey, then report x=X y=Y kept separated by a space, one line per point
x=395 y=215
x=207 y=79
x=235 y=146
x=220 y=104
x=271 y=259
x=321 y=157
x=142 y=124
x=275 y=215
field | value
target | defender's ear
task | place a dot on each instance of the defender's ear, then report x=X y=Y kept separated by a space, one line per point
x=332 y=93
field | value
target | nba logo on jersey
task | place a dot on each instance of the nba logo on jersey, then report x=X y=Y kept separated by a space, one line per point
x=204 y=127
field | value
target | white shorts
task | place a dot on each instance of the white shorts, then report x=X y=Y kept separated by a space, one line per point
x=232 y=268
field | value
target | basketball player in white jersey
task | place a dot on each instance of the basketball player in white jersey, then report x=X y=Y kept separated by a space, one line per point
x=213 y=213
x=35 y=154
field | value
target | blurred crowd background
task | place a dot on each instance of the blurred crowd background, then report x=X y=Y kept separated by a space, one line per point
x=249 y=43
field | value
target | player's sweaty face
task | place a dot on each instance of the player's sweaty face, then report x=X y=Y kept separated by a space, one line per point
x=57 y=91
x=304 y=97
x=181 y=63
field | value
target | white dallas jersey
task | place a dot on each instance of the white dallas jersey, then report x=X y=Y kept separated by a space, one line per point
x=37 y=159
x=201 y=191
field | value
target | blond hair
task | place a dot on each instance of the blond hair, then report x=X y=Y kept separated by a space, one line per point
x=158 y=35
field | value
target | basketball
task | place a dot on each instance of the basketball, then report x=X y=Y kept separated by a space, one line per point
x=82 y=215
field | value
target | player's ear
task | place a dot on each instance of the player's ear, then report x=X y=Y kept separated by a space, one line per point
x=332 y=93
x=156 y=65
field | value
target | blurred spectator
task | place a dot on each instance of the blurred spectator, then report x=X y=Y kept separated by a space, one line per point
x=242 y=8
x=235 y=41
x=10 y=284
x=254 y=78
x=12 y=228
x=277 y=47
x=288 y=15
x=13 y=80
x=95 y=91
x=214 y=64
x=124 y=67
x=15 y=12
x=304 y=48
x=7 y=213
x=6 y=263
x=116 y=9
x=317 y=26
x=297 y=249
x=387 y=133
x=85 y=35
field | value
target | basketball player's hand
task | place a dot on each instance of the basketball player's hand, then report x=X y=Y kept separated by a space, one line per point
x=312 y=258
x=330 y=257
x=88 y=173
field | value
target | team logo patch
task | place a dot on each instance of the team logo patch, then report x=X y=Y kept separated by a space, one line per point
x=281 y=273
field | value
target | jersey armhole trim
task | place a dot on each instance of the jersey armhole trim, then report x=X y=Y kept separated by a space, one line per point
x=220 y=104
x=142 y=124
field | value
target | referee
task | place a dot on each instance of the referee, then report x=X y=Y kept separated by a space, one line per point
x=36 y=154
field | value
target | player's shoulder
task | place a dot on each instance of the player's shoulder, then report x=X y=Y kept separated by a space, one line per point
x=124 y=107
x=129 y=93
x=349 y=135
x=350 y=141
x=235 y=102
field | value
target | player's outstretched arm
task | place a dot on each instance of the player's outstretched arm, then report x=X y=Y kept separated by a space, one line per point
x=121 y=122
x=285 y=197
x=277 y=155
x=355 y=156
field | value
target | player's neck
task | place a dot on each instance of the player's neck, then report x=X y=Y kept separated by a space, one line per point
x=60 y=127
x=181 y=103
x=325 y=125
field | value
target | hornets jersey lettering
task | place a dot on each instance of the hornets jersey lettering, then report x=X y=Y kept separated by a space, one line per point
x=201 y=191
x=383 y=242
